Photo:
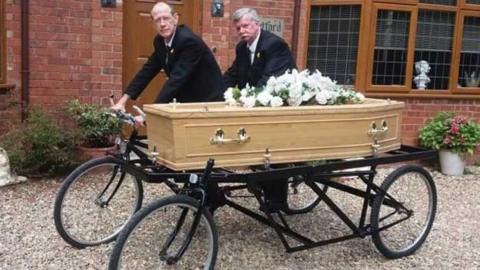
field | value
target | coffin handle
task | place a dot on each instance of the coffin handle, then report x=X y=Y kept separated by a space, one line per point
x=378 y=132
x=219 y=137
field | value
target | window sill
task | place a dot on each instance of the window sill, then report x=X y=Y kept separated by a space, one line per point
x=422 y=95
x=5 y=89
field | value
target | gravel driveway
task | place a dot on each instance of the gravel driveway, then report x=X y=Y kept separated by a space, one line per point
x=28 y=239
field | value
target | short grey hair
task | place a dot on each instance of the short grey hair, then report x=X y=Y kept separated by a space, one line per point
x=246 y=12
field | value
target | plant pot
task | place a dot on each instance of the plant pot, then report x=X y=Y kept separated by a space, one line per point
x=94 y=152
x=451 y=163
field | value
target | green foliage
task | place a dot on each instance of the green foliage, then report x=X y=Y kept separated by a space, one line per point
x=97 y=126
x=38 y=146
x=449 y=131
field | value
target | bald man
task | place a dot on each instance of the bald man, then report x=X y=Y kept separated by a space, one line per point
x=193 y=73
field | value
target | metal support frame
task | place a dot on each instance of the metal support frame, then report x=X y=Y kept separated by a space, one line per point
x=313 y=174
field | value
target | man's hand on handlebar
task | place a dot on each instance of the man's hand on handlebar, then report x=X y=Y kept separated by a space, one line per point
x=120 y=105
x=119 y=109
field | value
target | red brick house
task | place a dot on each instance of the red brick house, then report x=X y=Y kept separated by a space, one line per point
x=53 y=51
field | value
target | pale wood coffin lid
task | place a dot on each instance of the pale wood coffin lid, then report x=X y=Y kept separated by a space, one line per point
x=220 y=109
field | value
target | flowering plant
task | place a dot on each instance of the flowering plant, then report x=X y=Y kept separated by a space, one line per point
x=293 y=89
x=451 y=132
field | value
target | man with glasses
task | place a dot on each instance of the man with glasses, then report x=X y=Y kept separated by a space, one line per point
x=259 y=54
x=193 y=73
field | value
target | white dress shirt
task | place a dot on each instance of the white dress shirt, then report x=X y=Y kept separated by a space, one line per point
x=252 y=47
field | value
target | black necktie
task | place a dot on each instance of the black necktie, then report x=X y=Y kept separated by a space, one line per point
x=166 y=54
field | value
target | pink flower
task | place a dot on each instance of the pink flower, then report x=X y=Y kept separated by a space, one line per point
x=454 y=129
x=460 y=119
x=447 y=140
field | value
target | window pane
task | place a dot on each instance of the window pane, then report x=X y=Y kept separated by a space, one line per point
x=434 y=44
x=477 y=2
x=440 y=2
x=470 y=54
x=333 y=41
x=391 y=45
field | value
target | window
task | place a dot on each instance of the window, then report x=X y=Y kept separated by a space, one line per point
x=469 y=71
x=410 y=47
x=333 y=41
x=433 y=44
x=391 y=47
x=3 y=53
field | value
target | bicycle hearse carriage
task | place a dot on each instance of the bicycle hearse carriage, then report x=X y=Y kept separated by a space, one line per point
x=179 y=231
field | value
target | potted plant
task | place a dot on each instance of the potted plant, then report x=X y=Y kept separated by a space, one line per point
x=96 y=125
x=454 y=136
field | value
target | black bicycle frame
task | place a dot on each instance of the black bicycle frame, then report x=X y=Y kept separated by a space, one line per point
x=321 y=174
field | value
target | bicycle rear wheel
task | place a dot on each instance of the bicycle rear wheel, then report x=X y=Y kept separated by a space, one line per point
x=158 y=232
x=405 y=215
x=95 y=202
x=301 y=198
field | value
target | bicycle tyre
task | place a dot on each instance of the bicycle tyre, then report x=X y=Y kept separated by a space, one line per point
x=139 y=232
x=296 y=199
x=92 y=178
x=407 y=185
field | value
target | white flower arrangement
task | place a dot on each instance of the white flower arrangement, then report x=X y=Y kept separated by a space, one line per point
x=293 y=89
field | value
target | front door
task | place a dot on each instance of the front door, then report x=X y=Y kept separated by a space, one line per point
x=138 y=37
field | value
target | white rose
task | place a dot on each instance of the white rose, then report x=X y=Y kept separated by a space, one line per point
x=295 y=101
x=244 y=92
x=231 y=102
x=276 y=102
x=228 y=94
x=249 y=102
x=321 y=98
x=295 y=90
x=360 y=97
x=272 y=81
x=264 y=98
x=307 y=95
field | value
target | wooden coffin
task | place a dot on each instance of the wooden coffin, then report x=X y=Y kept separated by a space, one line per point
x=187 y=135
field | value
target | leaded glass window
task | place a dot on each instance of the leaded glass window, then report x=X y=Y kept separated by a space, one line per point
x=470 y=55
x=333 y=41
x=391 y=44
x=433 y=44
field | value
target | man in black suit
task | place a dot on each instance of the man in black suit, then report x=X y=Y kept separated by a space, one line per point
x=193 y=73
x=259 y=54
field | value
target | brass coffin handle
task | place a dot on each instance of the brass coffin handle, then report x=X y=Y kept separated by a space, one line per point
x=377 y=132
x=219 y=137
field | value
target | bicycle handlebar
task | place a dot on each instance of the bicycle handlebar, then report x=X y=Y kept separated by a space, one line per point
x=125 y=117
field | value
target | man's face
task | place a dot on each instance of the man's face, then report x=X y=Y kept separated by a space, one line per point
x=247 y=29
x=165 y=22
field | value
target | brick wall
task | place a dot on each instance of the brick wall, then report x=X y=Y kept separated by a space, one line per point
x=75 y=52
x=10 y=111
x=418 y=111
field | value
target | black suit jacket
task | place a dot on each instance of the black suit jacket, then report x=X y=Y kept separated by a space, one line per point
x=272 y=58
x=193 y=73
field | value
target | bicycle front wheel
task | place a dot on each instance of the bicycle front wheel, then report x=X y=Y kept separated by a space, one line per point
x=157 y=235
x=95 y=202
x=402 y=218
